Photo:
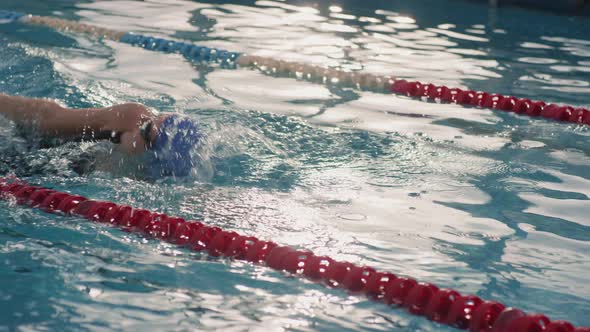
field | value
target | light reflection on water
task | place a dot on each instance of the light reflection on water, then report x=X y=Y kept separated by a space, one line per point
x=481 y=201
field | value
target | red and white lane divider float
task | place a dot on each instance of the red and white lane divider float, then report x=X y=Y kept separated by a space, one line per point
x=444 y=306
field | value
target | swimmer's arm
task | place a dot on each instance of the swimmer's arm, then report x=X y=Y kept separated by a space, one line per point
x=26 y=111
x=54 y=120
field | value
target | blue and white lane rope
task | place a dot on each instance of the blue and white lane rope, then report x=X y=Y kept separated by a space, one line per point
x=364 y=81
x=197 y=53
x=8 y=17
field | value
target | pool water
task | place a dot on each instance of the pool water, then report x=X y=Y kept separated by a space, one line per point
x=485 y=202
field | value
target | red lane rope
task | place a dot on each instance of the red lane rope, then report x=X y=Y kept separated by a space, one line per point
x=444 y=306
x=523 y=106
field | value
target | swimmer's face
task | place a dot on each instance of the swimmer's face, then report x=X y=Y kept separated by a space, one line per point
x=154 y=130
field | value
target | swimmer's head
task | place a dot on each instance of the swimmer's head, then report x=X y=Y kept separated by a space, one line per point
x=173 y=146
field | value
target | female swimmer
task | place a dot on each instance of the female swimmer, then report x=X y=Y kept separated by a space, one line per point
x=166 y=139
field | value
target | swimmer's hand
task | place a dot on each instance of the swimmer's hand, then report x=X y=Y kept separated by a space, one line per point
x=52 y=120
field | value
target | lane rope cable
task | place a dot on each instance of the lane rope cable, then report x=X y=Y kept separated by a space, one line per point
x=445 y=306
x=363 y=81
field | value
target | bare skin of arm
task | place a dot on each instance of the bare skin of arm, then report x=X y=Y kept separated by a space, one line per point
x=53 y=120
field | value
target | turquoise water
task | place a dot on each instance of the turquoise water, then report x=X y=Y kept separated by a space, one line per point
x=484 y=202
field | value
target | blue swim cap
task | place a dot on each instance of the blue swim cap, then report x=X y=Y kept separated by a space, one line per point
x=173 y=147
